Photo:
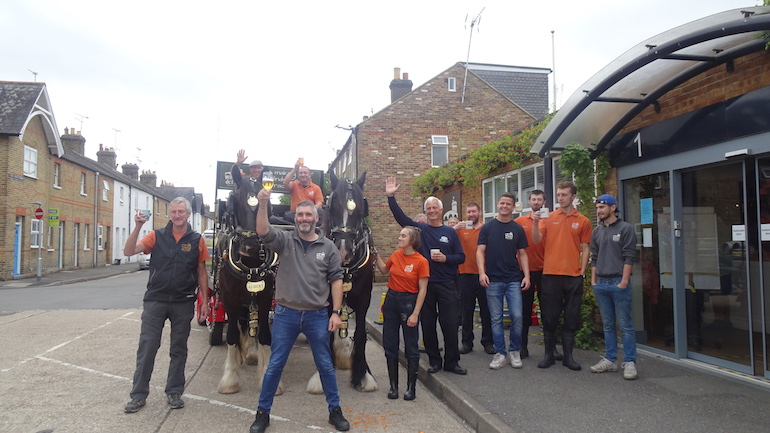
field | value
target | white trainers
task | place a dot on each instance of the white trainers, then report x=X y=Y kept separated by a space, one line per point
x=604 y=365
x=629 y=370
x=514 y=358
x=498 y=361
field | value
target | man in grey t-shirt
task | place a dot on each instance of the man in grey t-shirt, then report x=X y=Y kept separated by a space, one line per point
x=310 y=269
x=613 y=248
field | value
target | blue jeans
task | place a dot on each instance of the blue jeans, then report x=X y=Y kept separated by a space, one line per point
x=511 y=292
x=287 y=325
x=396 y=310
x=154 y=317
x=616 y=303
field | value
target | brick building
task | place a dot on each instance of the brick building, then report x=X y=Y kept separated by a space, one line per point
x=439 y=121
x=88 y=205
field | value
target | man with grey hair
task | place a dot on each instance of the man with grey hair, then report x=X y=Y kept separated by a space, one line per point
x=177 y=268
x=441 y=246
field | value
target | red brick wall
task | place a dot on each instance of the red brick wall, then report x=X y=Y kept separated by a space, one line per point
x=751 y=72
x=397 y=140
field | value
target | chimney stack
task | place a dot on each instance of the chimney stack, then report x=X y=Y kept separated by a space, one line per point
x=107 y=156
x=73 y=142
x=149 y=178
x=399 y=87
x=131 y=170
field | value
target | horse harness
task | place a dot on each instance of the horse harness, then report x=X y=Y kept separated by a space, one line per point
x=360 y=250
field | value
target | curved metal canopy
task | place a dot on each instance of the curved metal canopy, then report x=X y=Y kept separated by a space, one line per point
x=595 y=113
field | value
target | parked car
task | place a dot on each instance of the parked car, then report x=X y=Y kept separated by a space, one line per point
x=144 y=261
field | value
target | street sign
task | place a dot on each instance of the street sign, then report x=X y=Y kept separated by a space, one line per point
x=39 y=213
x=53 y=217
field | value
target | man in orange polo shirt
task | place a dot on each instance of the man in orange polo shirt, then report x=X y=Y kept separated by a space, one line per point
x=470 y=288
x=566 y=235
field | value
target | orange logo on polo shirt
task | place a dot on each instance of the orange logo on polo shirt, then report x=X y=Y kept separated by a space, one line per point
x=575 y=226
x=408 y=268
x=311 y=193
x=186 y=248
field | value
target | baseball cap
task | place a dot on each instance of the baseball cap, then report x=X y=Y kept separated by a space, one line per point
x=255 y=163
x=606 y=199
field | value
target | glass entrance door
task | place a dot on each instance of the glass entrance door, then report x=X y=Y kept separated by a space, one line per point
x=647 y=207
x=714 y=235
x=763 y=263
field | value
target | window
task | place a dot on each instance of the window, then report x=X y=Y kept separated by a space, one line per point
x=56 y=174
x=30 y=162
x=121 y=196
x=36 y=233
x=105 y=190
x=48 y=237
x=520 y=183
x=85 y=238
x=451 y=84
x=439 y=150
x=83 y=184
x=100 y=236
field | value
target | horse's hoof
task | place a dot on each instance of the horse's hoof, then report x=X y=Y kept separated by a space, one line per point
x=230 y=390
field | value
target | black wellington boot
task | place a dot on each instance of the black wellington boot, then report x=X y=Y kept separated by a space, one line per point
x=556 y=354
x=393 y=376
x=411 y=378
x=568 y=343
x=550 y=344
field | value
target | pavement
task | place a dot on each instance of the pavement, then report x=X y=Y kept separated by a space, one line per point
x=74 y=376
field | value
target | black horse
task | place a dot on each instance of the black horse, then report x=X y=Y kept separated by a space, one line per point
x=347 y=228
x=245 y=277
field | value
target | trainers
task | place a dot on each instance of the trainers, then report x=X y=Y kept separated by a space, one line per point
x=261 y=422
x=514 y=358
x=134 y=405
x=604 y=365
x=629 y=370
x=489 y=349
x=175 y=401
x=337 y=420
x=498 y=361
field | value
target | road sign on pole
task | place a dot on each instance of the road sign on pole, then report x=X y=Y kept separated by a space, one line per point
x=39 y=213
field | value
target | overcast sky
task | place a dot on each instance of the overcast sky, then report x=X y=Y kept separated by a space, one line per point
x=191 y=82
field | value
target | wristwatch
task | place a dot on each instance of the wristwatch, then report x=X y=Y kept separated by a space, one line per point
x=337 y=312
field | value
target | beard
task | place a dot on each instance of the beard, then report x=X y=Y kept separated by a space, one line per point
x=305 y=228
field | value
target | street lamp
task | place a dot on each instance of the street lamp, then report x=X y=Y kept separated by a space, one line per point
x=39 y=274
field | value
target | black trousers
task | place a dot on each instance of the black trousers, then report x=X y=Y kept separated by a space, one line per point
x=441 y=302
x=470 y=291
x=561 y=293
x=528 y=298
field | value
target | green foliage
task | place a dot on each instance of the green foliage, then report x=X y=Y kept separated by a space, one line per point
x=510 y=151
x=284 y=199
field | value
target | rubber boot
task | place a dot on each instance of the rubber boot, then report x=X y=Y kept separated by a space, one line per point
x=568 y=343
x=550 y=345
x=411 y=378
x=393 y=376
x=524 y=352
x=556 y=354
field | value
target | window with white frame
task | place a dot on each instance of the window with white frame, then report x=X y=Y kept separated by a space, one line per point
x=105 y=190
x=56 y=175
x=439 y=150
x=100 y=236
x=83 y=184
x=30 y=162
x=519 y=182
x=451 y=84
x=85 y=238
x=121 y=196
x=49 y=229
x=36 y=233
